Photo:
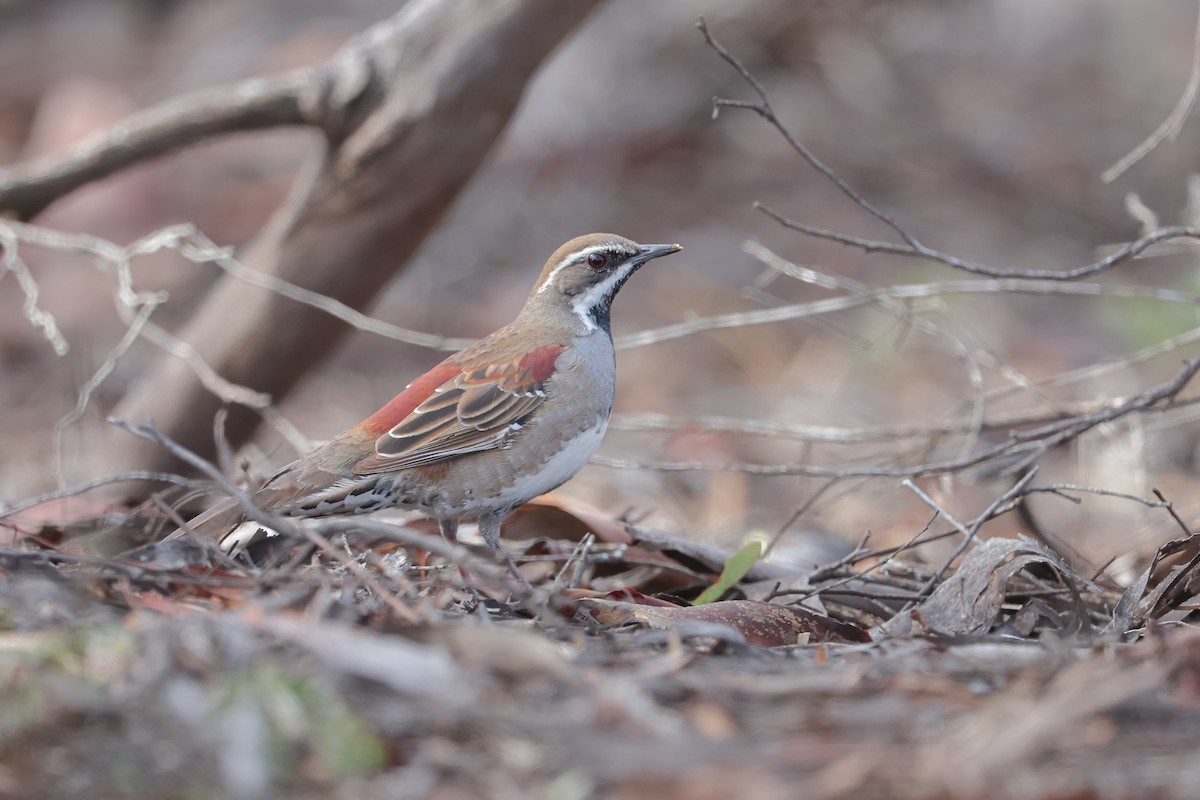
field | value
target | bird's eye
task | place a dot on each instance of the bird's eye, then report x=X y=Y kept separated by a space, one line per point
x=597 y=260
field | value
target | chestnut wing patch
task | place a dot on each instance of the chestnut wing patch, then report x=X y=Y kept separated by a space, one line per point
x=469 y=413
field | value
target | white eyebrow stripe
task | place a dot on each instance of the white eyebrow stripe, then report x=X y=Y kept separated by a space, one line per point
x=583 y=303
x=568 y=261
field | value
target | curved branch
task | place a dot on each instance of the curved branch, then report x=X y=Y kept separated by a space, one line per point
x=27 y=189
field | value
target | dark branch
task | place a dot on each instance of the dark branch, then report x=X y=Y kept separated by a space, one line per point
x=27 y=189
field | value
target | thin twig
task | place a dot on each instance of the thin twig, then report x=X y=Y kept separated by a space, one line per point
x=1027 y=445
x=1171 y=126
x=1007 y=285
x=903 y=312
x=1125 y=253
x=1183 y=526
x=108 y=480
x=989 y=513
x=1061 y=489
x=866 y=576
x=196 y=247
x=799 y=512
x=937 y=508
x=912 y=247
x=93 y=383
x=272 y=521
x=764 y=109
x=42 y=320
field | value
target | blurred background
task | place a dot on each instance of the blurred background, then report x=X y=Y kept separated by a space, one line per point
x=983 y=127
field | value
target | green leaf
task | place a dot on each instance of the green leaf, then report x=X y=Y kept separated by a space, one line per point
x=736 y=567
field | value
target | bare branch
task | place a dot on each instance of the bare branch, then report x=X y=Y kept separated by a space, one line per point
x=93 y=383
x=82 y=488
x=912 y=247
x=989 y=513
x=1062 y=489
x=1170 y=126
x=904 y=291
x=763 y=108
x=42 y=320
x=1024 y=445
x=197 y=247
x=1121 y=255
x=937 y=509
x=26 y=190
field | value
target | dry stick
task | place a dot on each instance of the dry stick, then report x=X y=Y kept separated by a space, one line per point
x=1171 y=510
x=1170 y=126
x=797 y=514
x=989 y=513
x=128 y=569
x=764 y=109
x=886 y=556
x=192 y=244
x=42 y=320
x=58 y=494
x=827 y=571
x=576 y=561
x=118 y=261
x=1119 y=256
x=836 y=435
x=197 y=247
x=779 y=265
x=255 y=104
x=1061 y=489
x=827 y=434
x=911 y=247
x=1057 y=543
x=901 y=311
x=937 y=509
x=93 y=383
x=274 y=522
x=1105 y=366
x=831 y=305
x=1026 y=443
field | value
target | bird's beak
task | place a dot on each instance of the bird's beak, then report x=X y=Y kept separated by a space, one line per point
x=649 y=251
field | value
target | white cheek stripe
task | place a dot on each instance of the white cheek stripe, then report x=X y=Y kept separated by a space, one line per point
x=585 y=302
x=568 y=261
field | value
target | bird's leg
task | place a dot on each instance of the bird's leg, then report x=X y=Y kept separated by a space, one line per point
x=449 y=529
x=489 y=527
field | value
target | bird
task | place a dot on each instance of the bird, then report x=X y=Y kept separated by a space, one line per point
x=508 y=418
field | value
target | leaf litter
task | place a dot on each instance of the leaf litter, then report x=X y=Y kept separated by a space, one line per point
x=172 y=669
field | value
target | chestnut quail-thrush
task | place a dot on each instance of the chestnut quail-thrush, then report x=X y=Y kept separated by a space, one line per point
x=509 y=418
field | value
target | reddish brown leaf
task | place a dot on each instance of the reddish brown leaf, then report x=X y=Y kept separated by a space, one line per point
x=764 y=624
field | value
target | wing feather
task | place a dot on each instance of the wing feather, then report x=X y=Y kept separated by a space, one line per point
x=473 y=412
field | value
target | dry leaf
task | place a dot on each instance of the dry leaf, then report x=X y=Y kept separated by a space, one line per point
x=765 y=624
